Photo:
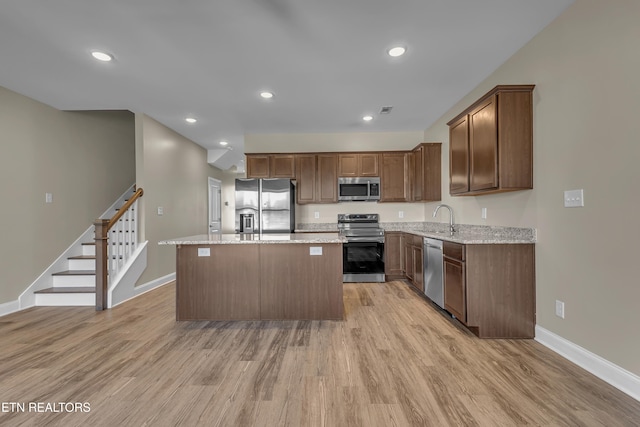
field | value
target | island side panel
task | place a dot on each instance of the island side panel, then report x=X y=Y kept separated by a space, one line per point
x=222 y=286
x=297 y=285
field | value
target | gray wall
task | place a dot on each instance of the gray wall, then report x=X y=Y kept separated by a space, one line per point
x=585 y=66
x=85 y=159
x=173 y=171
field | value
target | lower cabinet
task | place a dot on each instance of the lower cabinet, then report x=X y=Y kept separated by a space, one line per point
x=455 y=291
x=394 y=255
x=413 y=262
x=491 y=288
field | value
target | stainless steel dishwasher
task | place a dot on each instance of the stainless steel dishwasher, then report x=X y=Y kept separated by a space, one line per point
x=433 y=278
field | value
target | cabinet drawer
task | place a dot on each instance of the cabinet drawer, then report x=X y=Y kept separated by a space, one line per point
x=453 y=250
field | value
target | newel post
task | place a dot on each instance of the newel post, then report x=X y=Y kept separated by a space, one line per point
x=101 y=237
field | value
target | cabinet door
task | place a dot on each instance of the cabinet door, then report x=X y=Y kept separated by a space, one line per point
x=392 y=254
x=459 y=156
x=257 y=166
x=368 y=164
x=327 y=178
x=408 y=258
x=283 y=166
x=348 y=164
x=455 y=300
x=483 y=146
x=393 y=177
x=306 y=178
x=431 y=172
x=416 y=174
x=418 y=278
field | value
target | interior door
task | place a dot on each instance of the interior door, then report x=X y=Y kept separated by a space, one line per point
x=215 y=206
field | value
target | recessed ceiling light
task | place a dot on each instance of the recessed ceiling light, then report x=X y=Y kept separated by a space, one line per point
x=397 y=51
x=266 y=95
x=190 y=120
x=367 y=118
x=223 y=143
x=102 y=56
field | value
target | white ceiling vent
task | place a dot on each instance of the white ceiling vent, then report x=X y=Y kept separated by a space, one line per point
x=385 y=110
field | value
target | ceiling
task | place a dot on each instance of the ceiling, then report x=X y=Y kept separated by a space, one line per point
x=325 y=60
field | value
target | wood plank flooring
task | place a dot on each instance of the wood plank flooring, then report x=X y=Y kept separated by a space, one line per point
x=395 y=360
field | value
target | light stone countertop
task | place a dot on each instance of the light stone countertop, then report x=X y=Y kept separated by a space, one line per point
x=465 y=234
x=231 y=239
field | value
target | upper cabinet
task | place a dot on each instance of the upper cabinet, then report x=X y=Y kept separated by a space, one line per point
x=491 y=143
x=271 y=166
x=358 y=164
x=425 y=171
x=317 y=178
x=394 y=176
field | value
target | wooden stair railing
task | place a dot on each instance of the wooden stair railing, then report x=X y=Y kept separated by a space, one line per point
x=108 y=262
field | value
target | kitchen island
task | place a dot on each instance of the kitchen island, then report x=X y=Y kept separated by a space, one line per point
x=259 y=276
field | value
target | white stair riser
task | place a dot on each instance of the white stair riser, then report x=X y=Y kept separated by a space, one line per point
x=81 y=299
x=73 y=281
x=89 y=250
x=82 y=264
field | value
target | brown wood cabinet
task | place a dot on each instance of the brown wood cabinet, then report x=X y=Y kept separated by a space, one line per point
x=358 y=164
x=491 y=288
x=282 y=166
x=327 y=178
x=317 y=178
x=425 y=164
x=455 y=292
x=306 y=178
x=413 y=260
x=271 y=166
x=258 y=166
x=491 y=143
x=394 y=176
x=393 y=255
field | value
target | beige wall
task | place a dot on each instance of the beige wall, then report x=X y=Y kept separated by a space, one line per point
x=173 y=171
x=587 y=98
x=357 y=141
x=85 y=159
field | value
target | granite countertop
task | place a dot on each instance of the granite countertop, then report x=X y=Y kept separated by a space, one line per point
x=465 y=234
x=230 y=239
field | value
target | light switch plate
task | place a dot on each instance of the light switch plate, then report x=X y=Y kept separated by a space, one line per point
x=48 y=197
x=204 y=251
x=483 y=213
x=160 y=211
x=574 y=198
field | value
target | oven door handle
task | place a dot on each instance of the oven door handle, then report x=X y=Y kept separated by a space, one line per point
x=373 y=239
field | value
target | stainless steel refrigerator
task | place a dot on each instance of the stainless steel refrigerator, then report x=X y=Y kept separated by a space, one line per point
x=265 y=205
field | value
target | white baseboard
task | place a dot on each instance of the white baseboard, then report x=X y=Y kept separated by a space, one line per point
x=149 y=286
x=618 y=377
x=10 y=307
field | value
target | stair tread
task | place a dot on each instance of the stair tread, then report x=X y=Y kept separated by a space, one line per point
x=67 y=290
x=82 y=257
x=75 y=273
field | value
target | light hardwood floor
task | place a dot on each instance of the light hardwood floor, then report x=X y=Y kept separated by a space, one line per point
x=395 y=360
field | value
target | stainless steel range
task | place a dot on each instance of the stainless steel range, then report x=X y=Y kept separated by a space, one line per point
x=363 y=254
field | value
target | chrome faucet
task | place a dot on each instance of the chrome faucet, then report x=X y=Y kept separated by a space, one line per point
x=451 y=226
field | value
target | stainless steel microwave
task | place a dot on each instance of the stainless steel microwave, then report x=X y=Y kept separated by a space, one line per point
x=359 y=189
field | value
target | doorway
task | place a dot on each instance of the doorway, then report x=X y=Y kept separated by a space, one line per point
x=215 y=206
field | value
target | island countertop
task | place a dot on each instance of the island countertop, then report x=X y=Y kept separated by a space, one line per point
x=256 y=238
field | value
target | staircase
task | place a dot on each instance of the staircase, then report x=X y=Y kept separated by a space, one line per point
x=73 y=281
x=75 y=286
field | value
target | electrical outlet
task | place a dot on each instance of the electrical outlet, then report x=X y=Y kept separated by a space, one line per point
x=560 y=309
x=400 y=214
x=316 y=215
x=48 y=197
x=160 y=211
x=574 y=198
x=483 y=213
